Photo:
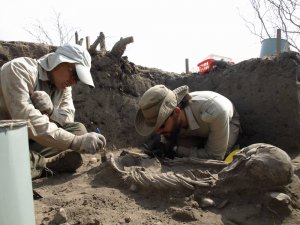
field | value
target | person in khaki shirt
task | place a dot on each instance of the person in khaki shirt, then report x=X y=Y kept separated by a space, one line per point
x=201 y=124
x=40 y=91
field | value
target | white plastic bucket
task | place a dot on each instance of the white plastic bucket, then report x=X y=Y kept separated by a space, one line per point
x=16 y=198
x=268 y=46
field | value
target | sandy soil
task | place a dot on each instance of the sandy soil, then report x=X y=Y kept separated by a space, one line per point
x=97 y=195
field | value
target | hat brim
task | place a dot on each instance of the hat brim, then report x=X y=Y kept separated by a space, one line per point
x=180 y=92
x=165 y=111
x=84 y=74
x=61 y=58
x=52 y=60
x=141 y=126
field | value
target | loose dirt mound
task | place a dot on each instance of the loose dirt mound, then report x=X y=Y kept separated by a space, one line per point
x=265 y=92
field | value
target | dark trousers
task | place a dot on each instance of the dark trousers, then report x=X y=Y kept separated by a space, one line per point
x=39 y=153
x=74 y=128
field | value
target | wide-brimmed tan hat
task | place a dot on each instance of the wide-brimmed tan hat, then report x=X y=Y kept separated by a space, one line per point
x=156 y=105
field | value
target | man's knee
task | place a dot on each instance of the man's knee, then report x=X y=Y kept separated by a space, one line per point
x=76 y=128
x=81 y=129
x=67 y=161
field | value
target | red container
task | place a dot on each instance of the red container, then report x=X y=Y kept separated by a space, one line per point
x=205 y=66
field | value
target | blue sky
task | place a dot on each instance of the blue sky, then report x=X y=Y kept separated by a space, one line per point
x=165 y=32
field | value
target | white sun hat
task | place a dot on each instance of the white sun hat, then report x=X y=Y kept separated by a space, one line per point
x=71 y=53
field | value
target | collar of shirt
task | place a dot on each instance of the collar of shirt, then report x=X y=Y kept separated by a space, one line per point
x=193 y=125
x=43 y=74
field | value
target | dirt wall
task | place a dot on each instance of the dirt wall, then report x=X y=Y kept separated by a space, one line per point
x=266 y=95
x=264 y=91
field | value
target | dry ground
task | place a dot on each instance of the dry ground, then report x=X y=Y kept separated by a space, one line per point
x=95 y=195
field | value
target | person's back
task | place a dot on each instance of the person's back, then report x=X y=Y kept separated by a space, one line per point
x=201 y=124
x=20 y=66
x=213 y=126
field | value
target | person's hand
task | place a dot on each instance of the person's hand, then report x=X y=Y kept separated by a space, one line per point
x=89 y=142
x=42 y=101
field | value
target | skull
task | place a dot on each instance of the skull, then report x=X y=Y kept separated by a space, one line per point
x=257 y=167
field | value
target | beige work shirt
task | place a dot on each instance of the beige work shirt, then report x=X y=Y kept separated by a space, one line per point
x=19 y=78
x=211 y=115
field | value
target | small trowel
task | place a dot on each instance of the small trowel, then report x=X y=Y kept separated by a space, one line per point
x=102 y=151
x=103 y=155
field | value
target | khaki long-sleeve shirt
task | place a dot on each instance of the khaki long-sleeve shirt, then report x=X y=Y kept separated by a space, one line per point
x=212 y=116
x=19 y=78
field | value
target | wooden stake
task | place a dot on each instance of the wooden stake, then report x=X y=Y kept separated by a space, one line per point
x=186 y=65
x=87 y=39
x=102 y=42
x=76 y=38
x=278 y=42
x=80 y=41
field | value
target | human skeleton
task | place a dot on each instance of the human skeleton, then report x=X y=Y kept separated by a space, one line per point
x=258 y=166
